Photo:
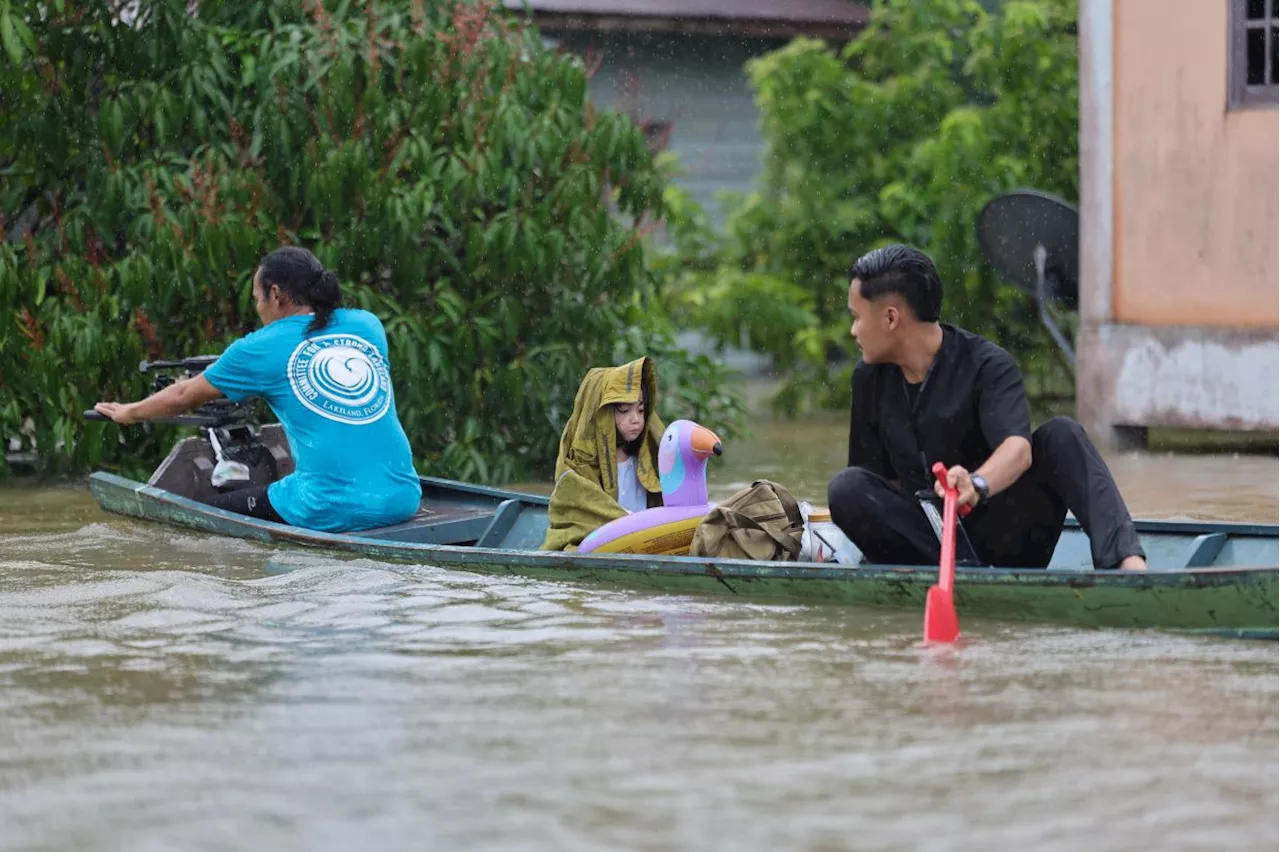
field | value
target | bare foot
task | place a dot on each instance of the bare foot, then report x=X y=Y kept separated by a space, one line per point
x=1133 y=563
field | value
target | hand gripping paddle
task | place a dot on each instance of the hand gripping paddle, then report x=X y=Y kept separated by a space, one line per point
x=940 y=622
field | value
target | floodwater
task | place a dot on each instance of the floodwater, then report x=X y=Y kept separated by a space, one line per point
x=161 y=690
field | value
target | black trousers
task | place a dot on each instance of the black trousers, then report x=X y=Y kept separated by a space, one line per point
x=1017 y=528
x=251 y=501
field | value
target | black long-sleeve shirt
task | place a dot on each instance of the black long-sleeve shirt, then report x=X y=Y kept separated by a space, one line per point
x=971 y=400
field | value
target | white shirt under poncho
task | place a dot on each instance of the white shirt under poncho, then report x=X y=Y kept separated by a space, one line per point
x=631 y=493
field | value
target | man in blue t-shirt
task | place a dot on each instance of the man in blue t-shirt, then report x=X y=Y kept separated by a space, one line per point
x=324 y=371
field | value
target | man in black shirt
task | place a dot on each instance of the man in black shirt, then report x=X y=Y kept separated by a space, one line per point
x=925 y=392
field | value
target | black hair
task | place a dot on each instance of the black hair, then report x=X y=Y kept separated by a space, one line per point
x=302 y=277
x=903 y=270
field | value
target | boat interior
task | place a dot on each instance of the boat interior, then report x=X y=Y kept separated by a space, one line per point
x=450 y=512
x=457 y=513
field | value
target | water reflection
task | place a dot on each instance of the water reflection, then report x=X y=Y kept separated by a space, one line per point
x=160 y=689
x=409 y=706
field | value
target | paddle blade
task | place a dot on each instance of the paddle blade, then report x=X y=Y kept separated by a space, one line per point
x=941 y=625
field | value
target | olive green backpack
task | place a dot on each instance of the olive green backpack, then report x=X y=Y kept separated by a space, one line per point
x=761 y=522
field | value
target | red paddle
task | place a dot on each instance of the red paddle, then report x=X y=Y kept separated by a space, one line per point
x=940 y=622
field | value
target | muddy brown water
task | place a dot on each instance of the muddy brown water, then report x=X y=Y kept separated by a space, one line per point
x=163 y=690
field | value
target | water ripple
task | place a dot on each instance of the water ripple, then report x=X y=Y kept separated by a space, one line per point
x=163 y=690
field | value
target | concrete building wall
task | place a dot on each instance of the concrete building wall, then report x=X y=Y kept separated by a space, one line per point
x=1178 y=291
x=1196 y=241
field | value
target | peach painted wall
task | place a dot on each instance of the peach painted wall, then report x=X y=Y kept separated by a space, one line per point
x=1195 y=239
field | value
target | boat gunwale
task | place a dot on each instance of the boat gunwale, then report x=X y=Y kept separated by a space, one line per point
x=718 y=568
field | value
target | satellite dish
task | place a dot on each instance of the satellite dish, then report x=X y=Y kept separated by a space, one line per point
x=1033 y=240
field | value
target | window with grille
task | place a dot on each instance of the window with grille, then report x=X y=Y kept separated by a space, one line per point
x=1255 y=72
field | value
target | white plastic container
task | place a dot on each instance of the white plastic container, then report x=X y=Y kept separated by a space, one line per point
x=823 y=541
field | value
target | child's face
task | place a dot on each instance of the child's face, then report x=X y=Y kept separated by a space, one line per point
x=629 y=418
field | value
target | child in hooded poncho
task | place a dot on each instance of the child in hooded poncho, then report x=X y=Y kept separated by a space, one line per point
x=608 y=460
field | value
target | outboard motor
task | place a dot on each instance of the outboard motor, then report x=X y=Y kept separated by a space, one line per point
x=233 y=453
x=226 y=471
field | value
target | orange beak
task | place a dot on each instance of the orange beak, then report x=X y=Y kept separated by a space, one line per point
x=705 y=443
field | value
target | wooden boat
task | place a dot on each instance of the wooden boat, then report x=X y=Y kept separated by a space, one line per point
x=1216 y=578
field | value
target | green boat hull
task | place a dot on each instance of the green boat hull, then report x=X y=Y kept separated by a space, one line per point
x=1228 y=600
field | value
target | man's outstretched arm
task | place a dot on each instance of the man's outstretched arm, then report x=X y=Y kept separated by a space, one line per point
x=1009 y=461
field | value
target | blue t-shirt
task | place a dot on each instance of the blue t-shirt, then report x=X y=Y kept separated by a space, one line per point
x=331 y=390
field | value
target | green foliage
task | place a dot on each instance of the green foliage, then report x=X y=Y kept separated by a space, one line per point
x=436 y=155
x=901 y=136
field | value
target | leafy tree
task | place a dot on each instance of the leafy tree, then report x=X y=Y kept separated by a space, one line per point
x=436 y=155
x=901 y=136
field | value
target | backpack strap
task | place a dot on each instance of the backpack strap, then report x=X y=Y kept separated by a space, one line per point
x=739 y=521
x=783 y=544
x=789 y=504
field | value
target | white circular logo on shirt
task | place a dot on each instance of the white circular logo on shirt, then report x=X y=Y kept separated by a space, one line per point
x=342 y=377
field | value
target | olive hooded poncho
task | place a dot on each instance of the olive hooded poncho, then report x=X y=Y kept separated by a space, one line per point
x=586 y=492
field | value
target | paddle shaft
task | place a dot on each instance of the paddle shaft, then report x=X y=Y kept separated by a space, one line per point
x=947 y=560
x=940 y=622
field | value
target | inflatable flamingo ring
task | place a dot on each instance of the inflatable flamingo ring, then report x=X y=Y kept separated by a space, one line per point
x=667 y=529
